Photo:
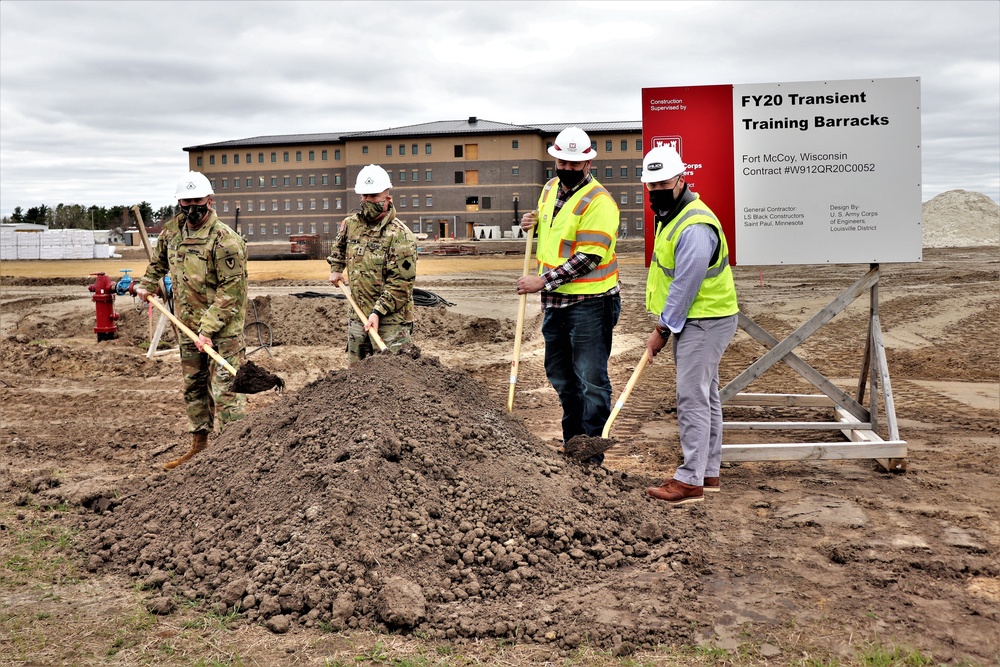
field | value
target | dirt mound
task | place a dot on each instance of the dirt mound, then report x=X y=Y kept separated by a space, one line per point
x=395 y=494
x=961 y=219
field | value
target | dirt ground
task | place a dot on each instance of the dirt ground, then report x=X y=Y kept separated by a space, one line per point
x=397 y=514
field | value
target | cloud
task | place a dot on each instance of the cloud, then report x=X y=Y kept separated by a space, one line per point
x=98 y=99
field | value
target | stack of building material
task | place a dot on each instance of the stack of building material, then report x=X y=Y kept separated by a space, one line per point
x=28 y=244
x=8 y=244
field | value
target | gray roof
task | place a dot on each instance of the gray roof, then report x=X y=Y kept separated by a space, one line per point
x=471 y=125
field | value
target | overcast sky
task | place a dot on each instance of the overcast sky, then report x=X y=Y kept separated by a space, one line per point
x=97 y=100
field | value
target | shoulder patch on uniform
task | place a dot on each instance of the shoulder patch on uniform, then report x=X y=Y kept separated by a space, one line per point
x=230 y=263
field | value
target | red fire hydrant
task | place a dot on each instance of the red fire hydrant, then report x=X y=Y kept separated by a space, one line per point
x=104 y=298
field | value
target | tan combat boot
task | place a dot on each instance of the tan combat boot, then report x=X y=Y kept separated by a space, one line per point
x=199 y=442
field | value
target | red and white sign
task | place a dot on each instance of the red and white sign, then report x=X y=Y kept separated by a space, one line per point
x=800 y=173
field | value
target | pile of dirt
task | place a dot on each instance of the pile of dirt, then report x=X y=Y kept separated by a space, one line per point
x=397 y=495
x=961 y=219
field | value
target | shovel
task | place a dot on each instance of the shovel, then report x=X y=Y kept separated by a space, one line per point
x=521 y=305
x=361 y=315
x=582 y=447
x=250 y=379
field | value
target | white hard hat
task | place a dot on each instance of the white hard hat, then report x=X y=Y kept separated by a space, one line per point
x=661 y=164
x=372 y=180
x=572 y=145
x=193 y=186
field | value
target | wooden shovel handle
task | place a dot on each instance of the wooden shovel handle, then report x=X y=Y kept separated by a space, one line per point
x=519 y=330
x=210 y=351
x=628 y=390
x=362 y=316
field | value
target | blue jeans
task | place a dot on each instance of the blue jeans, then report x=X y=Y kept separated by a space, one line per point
x=577 y=348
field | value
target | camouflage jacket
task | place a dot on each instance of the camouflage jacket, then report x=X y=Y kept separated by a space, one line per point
x=380 y=261
x=208 y=271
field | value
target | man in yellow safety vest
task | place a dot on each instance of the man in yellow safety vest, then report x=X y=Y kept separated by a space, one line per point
x=577 y=224
x=690 y=287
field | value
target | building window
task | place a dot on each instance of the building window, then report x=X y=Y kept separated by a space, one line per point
x=225 y=207
x=236 y=158
x=336 y=153
x=427 y=149
x=427 y=175
x=326 y=227
x=388 y=149
x=402 y=176
x=211 y=159
x=261 y=208
x=250 y=205
x=514 y=144
x=413 y=149
x=549 y=173
x=249 y=230
x=249 y=182
x=402 y=149
x=326 y=204
x=402 y=202
x=199 y=160
x=274 y=181
x=299 y=206
x=624 y=145
x=593 y=145
x=236 y=183
x=312 y=156
x=286 y=156
x=638 y=224
x=638 y=145
x=325 y=179
x=638 y=198
x=415 y=175
x=607 y=146
x=274 y=207
x=459 y=150
x=312 y=204
x=260 y=181
x=288 y=228
x=487 y=202
x=515 y=171
x=338 y=204
x=416 y=201
x=285 y=181
x=224 y=158
x=288 y=205
x=638 y=172
x=608 y=172
x=312 y=180
x=274 y=156
x=624 y=172
x=429 y=201
x=263 y=230
x=260 y=158
x=624 y=198
x=364 y=150
x=323 y=156
x=225 y=183
x=336 y=179
x=212 y=183
x=312 y=227
x=460 y=177
x=298 y=156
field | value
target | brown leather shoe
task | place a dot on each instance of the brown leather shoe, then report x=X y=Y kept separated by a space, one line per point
x=199 y=442
x=676 y=493
x=712 y=485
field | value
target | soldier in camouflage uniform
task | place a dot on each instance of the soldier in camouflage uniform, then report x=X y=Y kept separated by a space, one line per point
x=207 y=263
x=379 y=255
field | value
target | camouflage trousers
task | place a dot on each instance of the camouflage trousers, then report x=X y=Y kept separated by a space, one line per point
x=208 y=386
x=360 y=344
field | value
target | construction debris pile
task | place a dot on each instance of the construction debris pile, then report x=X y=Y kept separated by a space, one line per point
x=398 y=495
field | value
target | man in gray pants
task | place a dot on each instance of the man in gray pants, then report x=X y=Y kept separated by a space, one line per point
x=690 y=285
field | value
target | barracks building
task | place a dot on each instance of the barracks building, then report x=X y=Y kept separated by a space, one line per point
x=450 y=178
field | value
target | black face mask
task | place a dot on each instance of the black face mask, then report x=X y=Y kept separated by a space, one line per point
x=661 y=200
x=569 y=177
x=195 y=213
